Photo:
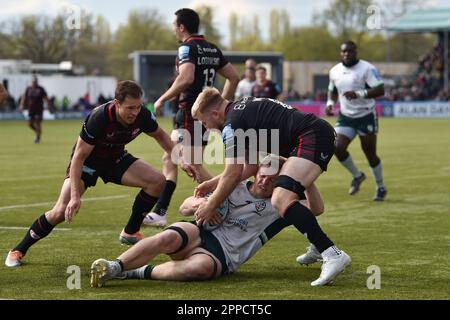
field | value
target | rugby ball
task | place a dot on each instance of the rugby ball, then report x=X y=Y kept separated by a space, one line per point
x=223 y=212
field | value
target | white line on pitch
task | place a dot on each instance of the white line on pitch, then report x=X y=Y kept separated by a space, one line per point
x=50 y=203
x=26 y=228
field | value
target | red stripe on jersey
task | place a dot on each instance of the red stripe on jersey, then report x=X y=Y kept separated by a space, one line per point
x=300 y=144
x=194 y=38
x=110 y=112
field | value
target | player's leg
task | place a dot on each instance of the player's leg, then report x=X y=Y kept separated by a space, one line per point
x=345 y=135
x=42 y=226
x=138 y=173
x=294 y=173
x=158 y=218
x=369 y=146
x=38 y=129
x=177 y=241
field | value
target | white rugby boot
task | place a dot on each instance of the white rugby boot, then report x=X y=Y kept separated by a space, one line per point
x=155 y=220
x=311 y=256
x=332 y=266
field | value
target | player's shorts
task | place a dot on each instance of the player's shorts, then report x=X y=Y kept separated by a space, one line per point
x=109 y=173
x=184 y=124
x=35 y=115
x=350 y=127
x=316 y=144
x=212 y=245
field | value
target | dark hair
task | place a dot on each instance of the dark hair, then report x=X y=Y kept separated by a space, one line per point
x=189 y=18
x=350 y=43
x=127 y=88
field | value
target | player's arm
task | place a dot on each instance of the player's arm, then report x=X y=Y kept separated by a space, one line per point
x=332 y=97
x=227 y=182
x=22 y=101
x=190 y=205
x=82 y=151
x=373 y=82
x=231 y=82
x=184 y=79
x=163 y=139
x=3 y=94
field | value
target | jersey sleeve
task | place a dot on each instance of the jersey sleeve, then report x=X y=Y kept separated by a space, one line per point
x=373 y=77
x=93 y=126
x=234 y=148
x=331 y=85
x=148 y=123
x=223 y=61
x=43 y=92
x=186 y=54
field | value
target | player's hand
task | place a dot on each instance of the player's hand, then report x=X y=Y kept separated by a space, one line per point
x=158 y=107
x=350 y=95
x=204 y=188
x=204 y=213
x=329 y=110
x=190 y=170
x=72 y=209
x=216 y=219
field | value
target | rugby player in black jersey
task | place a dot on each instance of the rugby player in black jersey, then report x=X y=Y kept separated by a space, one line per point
x=100 y=152
x=306 y=140
x=198 y=63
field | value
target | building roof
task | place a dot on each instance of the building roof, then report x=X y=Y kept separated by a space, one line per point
x=423 y=20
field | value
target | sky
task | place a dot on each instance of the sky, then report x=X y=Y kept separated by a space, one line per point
x=116 y=11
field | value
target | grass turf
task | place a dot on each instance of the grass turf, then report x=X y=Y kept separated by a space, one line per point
x=407 y=236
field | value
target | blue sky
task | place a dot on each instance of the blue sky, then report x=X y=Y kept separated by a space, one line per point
x=116 y=11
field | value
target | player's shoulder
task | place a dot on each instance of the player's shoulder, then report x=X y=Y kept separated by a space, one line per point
x=336 y=68
x=366 y=64
x=101 y=113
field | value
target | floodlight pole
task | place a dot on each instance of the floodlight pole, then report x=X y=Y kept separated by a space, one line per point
x=446 y=60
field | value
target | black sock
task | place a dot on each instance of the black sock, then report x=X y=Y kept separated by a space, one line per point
x=305 y=222
x=148 y=271
x=38 y=230
x=164 y=199
x=141 y=206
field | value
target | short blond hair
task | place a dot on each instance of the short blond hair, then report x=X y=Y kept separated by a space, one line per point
x=209 y=97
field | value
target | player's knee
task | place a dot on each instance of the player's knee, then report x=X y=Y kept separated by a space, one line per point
x=281 y=204
x=168 y=240
x=200 y=270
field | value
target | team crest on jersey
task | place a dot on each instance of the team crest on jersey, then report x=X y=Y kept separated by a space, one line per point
x=260 y=206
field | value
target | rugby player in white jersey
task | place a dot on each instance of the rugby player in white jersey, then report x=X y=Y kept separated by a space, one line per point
x=357 y=83
x=200 y=253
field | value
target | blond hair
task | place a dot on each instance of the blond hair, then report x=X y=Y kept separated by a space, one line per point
x=209 y=97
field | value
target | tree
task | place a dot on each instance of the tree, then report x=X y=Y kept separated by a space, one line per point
x=348 y=17
x=207 y=26
x=145 y=30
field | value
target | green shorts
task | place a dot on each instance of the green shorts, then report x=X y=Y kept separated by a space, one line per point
x=350 y=127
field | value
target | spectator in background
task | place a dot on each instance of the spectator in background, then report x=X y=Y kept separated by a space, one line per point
x=101 y=100
x=245 y=86
x=250 y=64
x=264 y=88
x=65 y=103
x=34 y=100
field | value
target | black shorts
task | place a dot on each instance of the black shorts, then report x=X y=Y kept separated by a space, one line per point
x=212 y=245
x=316 y=144
x=184 y=122
x=35 y=115
x=109 y=173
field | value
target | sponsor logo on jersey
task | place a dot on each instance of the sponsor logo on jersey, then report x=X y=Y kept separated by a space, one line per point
x=260 y=206
x=200 y=51
x=208 y=61
x=323 y=156
x=183 y=53
x=376 y=74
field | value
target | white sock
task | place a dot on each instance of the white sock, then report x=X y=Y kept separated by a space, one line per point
x=350 y=166
x=332 y=251
x=377 y=173
x=116 y=269
x=138 y=273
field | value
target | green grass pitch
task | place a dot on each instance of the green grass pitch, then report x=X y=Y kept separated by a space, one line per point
x=407 y=236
